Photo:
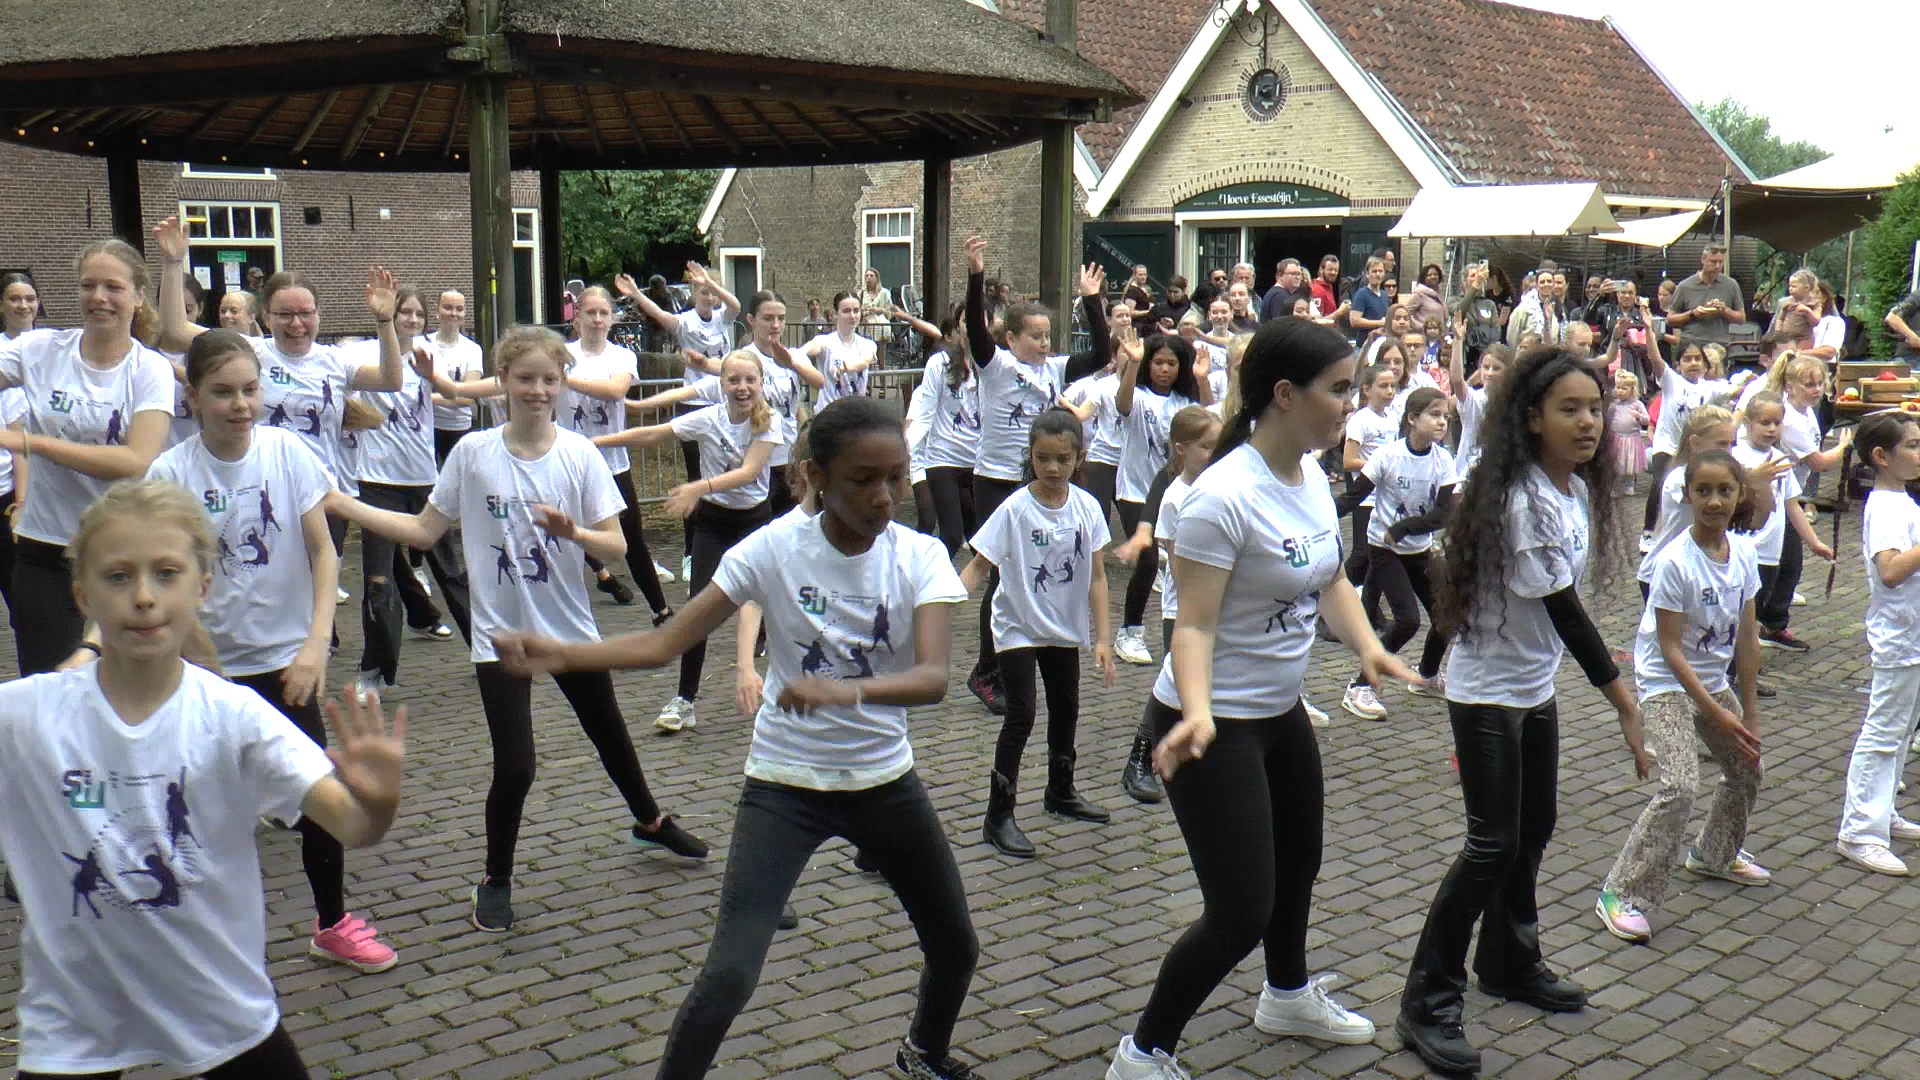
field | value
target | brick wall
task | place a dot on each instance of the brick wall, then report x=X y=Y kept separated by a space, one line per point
x=426 y=242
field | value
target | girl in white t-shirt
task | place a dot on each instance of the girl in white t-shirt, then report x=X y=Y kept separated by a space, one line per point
x=1257 y=563
x=731 y=500
x=1870 y=819
x=19 y=307
x=98 y=408
x=952 y=439
x=1710 y=427
x=1759 y=448
x=841 y=355
x=530 y=498
x=129 y=789
x=458 y=357
x=1683 y=386
x=1698 y=622
x=1049 y=541
x=1518 y=546
x=1157 y=379
x=1368 y=428
x=857 y=610
x=1470 y=393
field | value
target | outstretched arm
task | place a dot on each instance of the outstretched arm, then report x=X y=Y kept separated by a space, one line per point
x=419 y=531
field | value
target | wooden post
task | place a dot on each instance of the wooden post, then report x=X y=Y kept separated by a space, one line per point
x=936 y=238
x=123 y=197
x=489 y=178
x=1056 y=191
x=552 y=268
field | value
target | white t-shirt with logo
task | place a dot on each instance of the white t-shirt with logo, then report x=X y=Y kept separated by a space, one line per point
x=1512 y=663
x=953 y=435
x=834 y=356
x=1406 y=485
x=307 y=395
x=1711 y=595
x=67 y=398
x=13 y=410
x=1800 y=436
x=459 y=361
x=1163 y=529
x=1372 y=431
x=1280 y=545
x=133 y=850
x=523 y=580
x=1102 y=429
x=781 y=387
x=1012 y=397
x=1143 y=441
x=1891 y=523
x=1678 y=399
x=1675 y=517
x=711 y=337
x=260 y=608
x=830 y=615
x=1046 y=558
x=723 y=448
x=592 y=416
x=1771 y=536
x=400 y=451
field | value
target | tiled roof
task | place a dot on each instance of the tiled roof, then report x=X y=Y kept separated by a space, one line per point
x=1513 y=95
x=1137 y=40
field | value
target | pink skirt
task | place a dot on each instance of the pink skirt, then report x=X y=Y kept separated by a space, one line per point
x=1630 y=454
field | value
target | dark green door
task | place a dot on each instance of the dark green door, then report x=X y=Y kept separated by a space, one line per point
x=1120 y=246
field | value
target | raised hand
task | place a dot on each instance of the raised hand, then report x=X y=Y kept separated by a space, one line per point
x=170 y=239
x=555 y=522
x=697 y=274
x=380 y=289
x=369 y=759
x=1093 y=280
x=422 y=361
x=976 y=255
x=625 y=285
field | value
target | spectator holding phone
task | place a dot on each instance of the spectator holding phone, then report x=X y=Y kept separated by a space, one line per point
x=1706 y=304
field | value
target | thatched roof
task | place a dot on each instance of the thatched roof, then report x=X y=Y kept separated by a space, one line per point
x=371 y=84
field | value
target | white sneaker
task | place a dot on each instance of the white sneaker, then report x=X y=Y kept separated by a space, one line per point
x=1316 y=717
x=1130 y=646
x=1130 y=1064
x=1311 y=1014
x=425 y=579
x=1799 y=600
x=340 y=596
x=686 y=568
x=1902 y=829
x=1872 y=857
x=1361 y=702
x=1646 y=543
x=369 y=684
x=665 y=575
x=677 y=715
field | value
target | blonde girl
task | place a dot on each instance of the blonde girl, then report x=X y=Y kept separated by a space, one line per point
x=1708 y=427
x=1627 y=422
x=1760 y=446
x=1683 y=387
x=104 y=989
x=1802 y=384
x=531 y=499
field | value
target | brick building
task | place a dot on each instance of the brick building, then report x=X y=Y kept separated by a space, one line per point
x=1295 y=128
x=327 y=225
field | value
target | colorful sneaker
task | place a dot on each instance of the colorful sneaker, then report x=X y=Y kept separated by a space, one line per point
x=677 y=715
x=1310 y=1013
x=352 y=942
x=1434 y=687
x=987 y=689
x=1872 y=857
x=668 y=836
x=1741 y=871
x=1316 y=716
x=1361 y=702
x=1130 y=1063
x=1622 y=919
x=1782 y=639
x=1902 y=829
x=1130 y=646
x=493 y=906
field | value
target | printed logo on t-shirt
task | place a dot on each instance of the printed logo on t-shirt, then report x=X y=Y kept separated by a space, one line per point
x=521 y=555
x=61 y=402
x=280 y=376
x=64 y=403
x=1711 y=635
x=1286 y=613
x=581 y=413
x=243 y=519
x=143 y=854
x=840 y=649
x=1017 y=415
x=299 y=412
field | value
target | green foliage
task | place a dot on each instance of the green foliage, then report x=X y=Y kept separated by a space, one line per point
x=625 y=222
x=1889 y=257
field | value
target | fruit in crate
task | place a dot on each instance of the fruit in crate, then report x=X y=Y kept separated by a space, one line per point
x=1885 y=376
x=1851 y=393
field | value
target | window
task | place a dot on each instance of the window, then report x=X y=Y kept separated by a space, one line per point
x=227 y=172
x=1219 y=250
x=887 y=248
x=740 y=271
x=230 y=246
x=211 y=222
x=526 y=266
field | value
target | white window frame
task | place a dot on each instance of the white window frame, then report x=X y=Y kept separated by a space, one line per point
x=206 y=171
x=279 y=227
x=726 y=268
x=539 y=293
x=868 y=242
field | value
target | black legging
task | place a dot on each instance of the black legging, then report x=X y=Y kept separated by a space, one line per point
x=952 y=491
x=1060 y=668
x=46 y=622
x=988 y=494
x=1133 y=611
x=275 y=1058
x=1357 y=547
x=508 y=701
x=779 y=495
x=639 y=558
x=321 y=855
x=715 y=530
x=1656 y=476
x=1102 y=481
x=1509 y=760
x=1406 y=582
x=443 y=442
x=386 y=576
x=6 y=551
x=1250 y=812
x=1774 y=607
x=925 y=519
x=775 y=831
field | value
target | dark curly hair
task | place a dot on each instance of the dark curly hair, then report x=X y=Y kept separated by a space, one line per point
x=1184 y=383
x=1479 y=551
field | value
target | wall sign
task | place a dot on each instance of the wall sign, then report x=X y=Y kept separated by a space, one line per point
x=1262 y=196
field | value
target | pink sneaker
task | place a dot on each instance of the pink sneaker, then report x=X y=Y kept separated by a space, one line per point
x=1622 y=919
x=352 y=942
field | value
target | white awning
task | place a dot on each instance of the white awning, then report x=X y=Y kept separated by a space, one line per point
x=1507 y=210
x=1659 y=232
x=1799 y=210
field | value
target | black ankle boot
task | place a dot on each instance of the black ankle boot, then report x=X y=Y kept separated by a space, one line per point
x=1138 y=779
x=1061 y=799
x=1441 y=1044
x=1000 y=830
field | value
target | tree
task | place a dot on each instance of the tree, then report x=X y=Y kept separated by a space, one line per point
x=1889 y=257
x=631 y=222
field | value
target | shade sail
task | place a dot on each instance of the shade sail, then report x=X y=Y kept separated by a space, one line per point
x=1804 y=208
x=1660 y=231
x=1507 y=210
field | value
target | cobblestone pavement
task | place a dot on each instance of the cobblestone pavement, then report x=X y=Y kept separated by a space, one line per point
x=1815 y=976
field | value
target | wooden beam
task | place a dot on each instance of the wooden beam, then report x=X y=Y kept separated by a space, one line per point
x=1056 y=224
x=858 y=125
x=718 y=124
x=35 y=119
x=314 y=121
x=361 y=123
x=586 y=116
x=814 y=129
x=265 y=119
x=123 y=195
x=453 y=120
x=936 y=236
x=761 y=118
x=213 y=117
x=553 y=284
x=633 y=125
x=91 y=116
x=686 y=140
x=413 y=117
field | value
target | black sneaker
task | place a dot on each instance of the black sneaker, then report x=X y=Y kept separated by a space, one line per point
x=789 y=918
x=1782 y=638
x=1442 y=1045
x=670 y=837
x=1541 y=989
x=988 y=691
x=10 y=893
x=918 y=1066
x=660 y=617
x=493 y=907
x=863 y=864
x=436 y=632
x=616 y=586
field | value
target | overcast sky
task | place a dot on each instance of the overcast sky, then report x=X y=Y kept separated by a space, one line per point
x=1832 y=72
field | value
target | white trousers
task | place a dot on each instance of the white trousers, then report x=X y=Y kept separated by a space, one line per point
x=1880 y=754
